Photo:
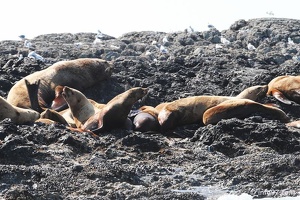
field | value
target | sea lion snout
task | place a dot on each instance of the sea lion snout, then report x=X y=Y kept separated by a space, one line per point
x=59 y=102
x=67 y=92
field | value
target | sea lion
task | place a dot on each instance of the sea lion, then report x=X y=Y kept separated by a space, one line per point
x=285 y=89
x=241 y=108
x=144 y=122
x=190 y=110
x=79 y=74
x=255 y=93
x=81 y=107
x=32 y=89
x=59 y=102
x=54 y=116
x=147 y=118
x=115 y=113
x=187 y=110
x=16 y=114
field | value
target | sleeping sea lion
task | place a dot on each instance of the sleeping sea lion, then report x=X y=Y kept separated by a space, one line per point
x=285 y=89
x=190 y=110
x=79 y=74
x=241 y=108
x=115 y=113
x=53 y=115
x=16 y=114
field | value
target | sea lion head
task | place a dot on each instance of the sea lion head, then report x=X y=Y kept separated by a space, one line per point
x=71 y=95
x=254 y=93
x=59 y=103
x=32 y=115
x=134 y=94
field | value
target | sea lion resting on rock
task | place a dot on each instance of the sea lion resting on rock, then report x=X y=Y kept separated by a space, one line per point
x=241 y=108
x=16 y=114
x=115 y=113
x=79 y=74
x=285 y=89
x=190 y=110
x=81 y=107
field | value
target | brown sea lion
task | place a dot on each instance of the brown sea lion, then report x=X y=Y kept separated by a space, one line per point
x=241 y=108
x=79 y=74
x=54 y=116
x=285 y=89
x=187 y=110
x=59 y=102
x=144 y=122
x=147 y=118
x=254 y=93
x=81 y=107
x=16 y=114
x=190 y=110
x=115 y=113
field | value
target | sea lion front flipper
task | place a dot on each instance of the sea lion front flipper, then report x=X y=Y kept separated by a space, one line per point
x=93 y=124
x=280 y=97
x=32 y=89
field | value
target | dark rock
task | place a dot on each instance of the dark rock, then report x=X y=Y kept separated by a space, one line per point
x=255 y=155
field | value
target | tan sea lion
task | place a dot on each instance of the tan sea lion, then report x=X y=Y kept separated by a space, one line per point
x=187 y=110
x=54 y=116
x=16 y=114
x=285 y=89
x=241 y=108
x=79 y=74
x=81 y=107
x=254 y=93
x=115 y=113
x=190 y=110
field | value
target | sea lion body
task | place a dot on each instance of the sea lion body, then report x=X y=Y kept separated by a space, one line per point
x=187 y=110
x=144 y=122
x=115 y=113
x=190 y=110
x=285 y=89
x=79 y=74
x=241 y=108
x=16 y=114
x=80 y=106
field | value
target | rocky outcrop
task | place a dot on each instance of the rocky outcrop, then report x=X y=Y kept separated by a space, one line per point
x=254 y=155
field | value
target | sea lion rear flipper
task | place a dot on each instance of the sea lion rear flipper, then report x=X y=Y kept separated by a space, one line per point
x=280 y=97
x=32 y=89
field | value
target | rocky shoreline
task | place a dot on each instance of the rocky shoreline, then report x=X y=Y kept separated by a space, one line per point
x=255 y=155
